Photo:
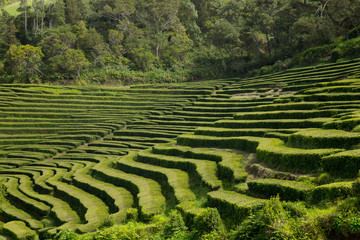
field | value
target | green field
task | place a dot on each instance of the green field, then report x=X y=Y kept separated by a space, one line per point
x=12 y=8
x=75 y=157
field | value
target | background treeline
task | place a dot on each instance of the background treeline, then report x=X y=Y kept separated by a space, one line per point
x=131 y=41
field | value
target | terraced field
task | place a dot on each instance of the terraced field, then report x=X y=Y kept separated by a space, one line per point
x=79 y=157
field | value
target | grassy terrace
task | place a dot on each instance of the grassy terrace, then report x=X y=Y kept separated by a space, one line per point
x=80 y=157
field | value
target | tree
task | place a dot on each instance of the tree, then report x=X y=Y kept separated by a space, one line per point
x=24 y=61
x=57 y=40
x=223 y=34
x=345 y=20
x=56 y=13
x=188 y=16
x=76 y=10
x=115 y=10
x=74 y=61
x=7 y=32
x=24 y=6
x=311 y=31
x=158 y=16
x=177 y=46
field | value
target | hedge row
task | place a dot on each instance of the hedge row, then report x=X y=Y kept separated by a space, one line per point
x=117 y=199
x=230 y=165
x=138 y=139
x=204 y=114
x=229 y=132
x=184 y=123
x=332 y=191
x=206 y=170
x=218 y=109
x=277 y=123
x=345 y=164
x=172 y=128
x=287 y=190
x=148 y=192
x=319 y=138
x=229 y=104
x=185 y=118
x=236 y=100
x=10 y=213
x=290 y=114
x=90 y=208
x=93 y=105
x=286 y=106
x=274 y=152
x=145 y=133
x=18 y=230
x=237 y=90
x=271 y=151
x=175 y=180
x=32 y=206
x=60 y=210
x=233 y=205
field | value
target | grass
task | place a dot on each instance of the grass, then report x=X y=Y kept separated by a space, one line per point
x=12 y=8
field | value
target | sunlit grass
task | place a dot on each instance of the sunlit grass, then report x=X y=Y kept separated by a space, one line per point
x=12 y=8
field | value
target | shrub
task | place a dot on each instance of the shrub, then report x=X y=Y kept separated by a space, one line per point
x=175 y=226
x=271 y=222
x=324 y=178
x=66 y=234
x=207 y=222
x=287 y=190
x=132 y=214
x=345 y=164
x=332 y=191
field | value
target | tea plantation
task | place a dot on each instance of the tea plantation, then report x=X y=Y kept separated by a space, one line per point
x=80 y=157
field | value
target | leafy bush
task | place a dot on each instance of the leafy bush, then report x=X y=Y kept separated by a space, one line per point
x=332 y=191
x=207 y=222
x=287 y=190
x=271 y=222
x=132 y=214
x=175 y=226
x=66 y=234
x=324 y=178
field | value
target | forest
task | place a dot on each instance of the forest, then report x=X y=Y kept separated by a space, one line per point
x=138 y=41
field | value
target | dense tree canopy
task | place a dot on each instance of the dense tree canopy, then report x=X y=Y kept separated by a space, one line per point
x=74 y=36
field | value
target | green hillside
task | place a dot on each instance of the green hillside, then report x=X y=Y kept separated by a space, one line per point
x=81 y=158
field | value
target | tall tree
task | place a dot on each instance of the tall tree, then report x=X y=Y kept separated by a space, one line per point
x=76 y=10
x=158 y=16
x=7 y=32
x=223 y=34
x=24 y=61
x=24 y=7
x=56 y=13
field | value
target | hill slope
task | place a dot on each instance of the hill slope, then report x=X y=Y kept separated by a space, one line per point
x=75 y=157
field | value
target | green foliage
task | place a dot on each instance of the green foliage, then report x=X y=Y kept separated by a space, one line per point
x=175 y=226
x=345 y=164
x=270 y=222
x=24 y=61
x=212 y=39
x=319 y=138
x=74 y=61
x=287 y=190
x=206 y=222
x=65 y=235
x=332 y=191
x=132 y=214
x=324 y=178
